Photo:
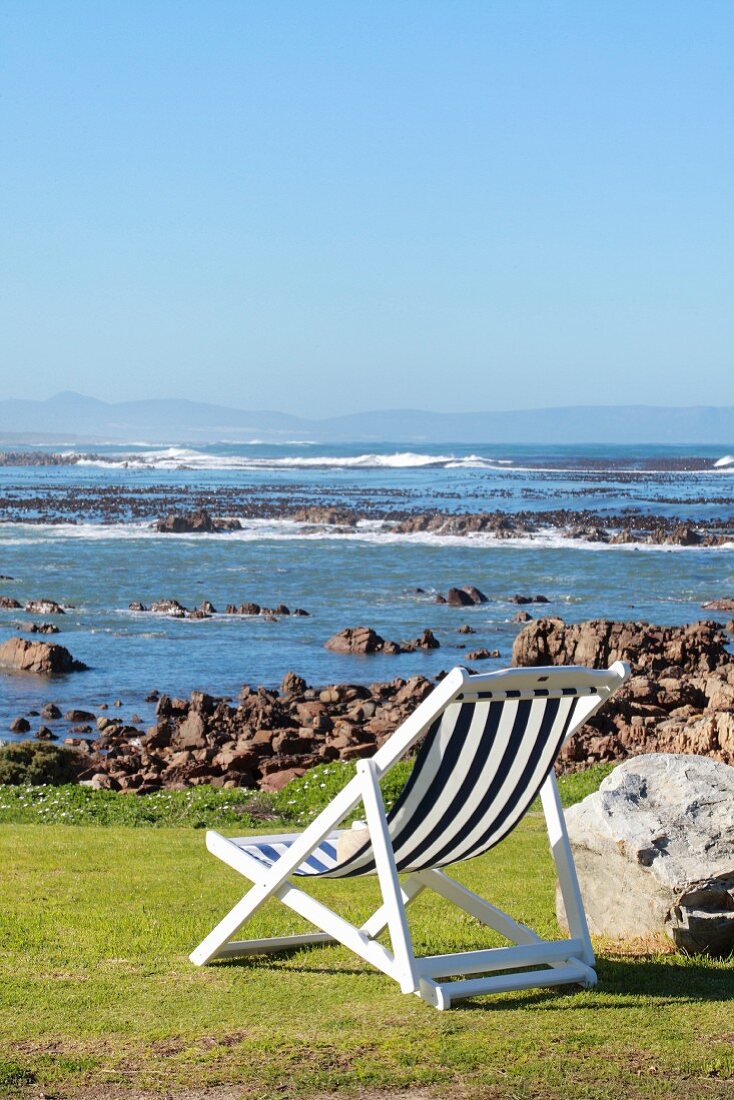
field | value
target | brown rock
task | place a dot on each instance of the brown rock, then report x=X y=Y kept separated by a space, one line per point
x=45 y=658
x=360 y=639
x=725 y=603
x=458 y=597
x=44 y=607
x=292 y=684
x=276 y=780
x=192 y=732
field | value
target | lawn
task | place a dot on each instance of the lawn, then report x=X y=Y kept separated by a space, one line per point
x=97 y=994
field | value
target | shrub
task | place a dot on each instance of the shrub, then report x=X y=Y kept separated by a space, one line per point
x=35 y=762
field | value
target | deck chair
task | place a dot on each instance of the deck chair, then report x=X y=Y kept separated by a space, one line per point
x=489 y=745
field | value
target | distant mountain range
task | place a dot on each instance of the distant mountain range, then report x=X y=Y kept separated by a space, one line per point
x=71 y=417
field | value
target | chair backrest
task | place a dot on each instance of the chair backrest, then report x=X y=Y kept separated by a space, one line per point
x=483 y=761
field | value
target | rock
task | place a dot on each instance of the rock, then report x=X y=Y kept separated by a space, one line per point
x=475 y=594
x=427 y=640
x=77 y=715
x=45 y=734
x=44 y=607
x=699 y=647
x=522 y=617
x=179 y=523
x=359 y=639
x=249 y=609
x=726 y=603
x=458 y=597
x=207 y=607
x=45 y=658
x=169 y=607
x=50 y=711
x=136 y=605
x=20 y=725
x=300 y=613
x=326 y=515
x=466 y=629
x=276 y=780
x=192 y=732
x=527 y=599
x=482 y=654
x=7 y=603
x=292 y=684
x=39 y=628
x=654 y=849
x=282 y=609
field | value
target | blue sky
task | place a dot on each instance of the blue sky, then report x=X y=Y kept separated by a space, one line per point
x=327 y=207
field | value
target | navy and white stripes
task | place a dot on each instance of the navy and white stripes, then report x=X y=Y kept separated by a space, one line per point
x=481 y=764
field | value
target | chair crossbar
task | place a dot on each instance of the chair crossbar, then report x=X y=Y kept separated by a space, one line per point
x=573 y=974
x=498 y=958
x=236 y=948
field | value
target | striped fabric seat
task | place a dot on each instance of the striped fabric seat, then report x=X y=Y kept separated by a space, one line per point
x=320 y=862
x=480 y=767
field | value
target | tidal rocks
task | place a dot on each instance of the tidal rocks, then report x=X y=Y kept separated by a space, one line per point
x=358 y=639
x=364 y=640
x=136 y=605
x=680 y=698
x=426 y=640
x=654 y=849
x=8 y=603
x=200 y=522
x=466 y=596
x=77 y=715
x=527 y=599
x=726 y=603
x=20 y=725
x=292 y=684
x=169 y=607
x=39 y=628
x=697 y=647
x=44 y=607
x=482 y=654
x=50 y=712
x=45 y=658
x=263 y=740
x=326 y=515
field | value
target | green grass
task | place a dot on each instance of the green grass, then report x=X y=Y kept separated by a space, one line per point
x=97 y=994
x=210 y=807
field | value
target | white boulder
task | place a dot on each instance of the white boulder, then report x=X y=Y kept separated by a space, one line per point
x=654 y=850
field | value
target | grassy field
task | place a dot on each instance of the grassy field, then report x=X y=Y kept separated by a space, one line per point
x=97 y=995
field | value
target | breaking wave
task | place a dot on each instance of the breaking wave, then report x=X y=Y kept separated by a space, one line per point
x=176 y=458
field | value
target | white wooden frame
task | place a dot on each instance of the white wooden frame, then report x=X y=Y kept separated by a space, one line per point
x=500 y=968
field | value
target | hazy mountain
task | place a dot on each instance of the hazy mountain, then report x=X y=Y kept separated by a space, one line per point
x=72 y=416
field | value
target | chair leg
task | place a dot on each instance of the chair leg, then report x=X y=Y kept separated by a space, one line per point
x=387 y=875
x=565 y=866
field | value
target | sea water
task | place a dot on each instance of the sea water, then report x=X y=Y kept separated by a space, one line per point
x=82 y=534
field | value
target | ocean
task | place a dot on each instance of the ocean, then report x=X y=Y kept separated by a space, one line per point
x=77 y=528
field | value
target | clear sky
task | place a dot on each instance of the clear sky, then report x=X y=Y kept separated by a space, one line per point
x=323 y=207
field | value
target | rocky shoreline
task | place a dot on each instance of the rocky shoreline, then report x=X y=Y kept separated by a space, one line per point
x=679 y=699
x=229 y=510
